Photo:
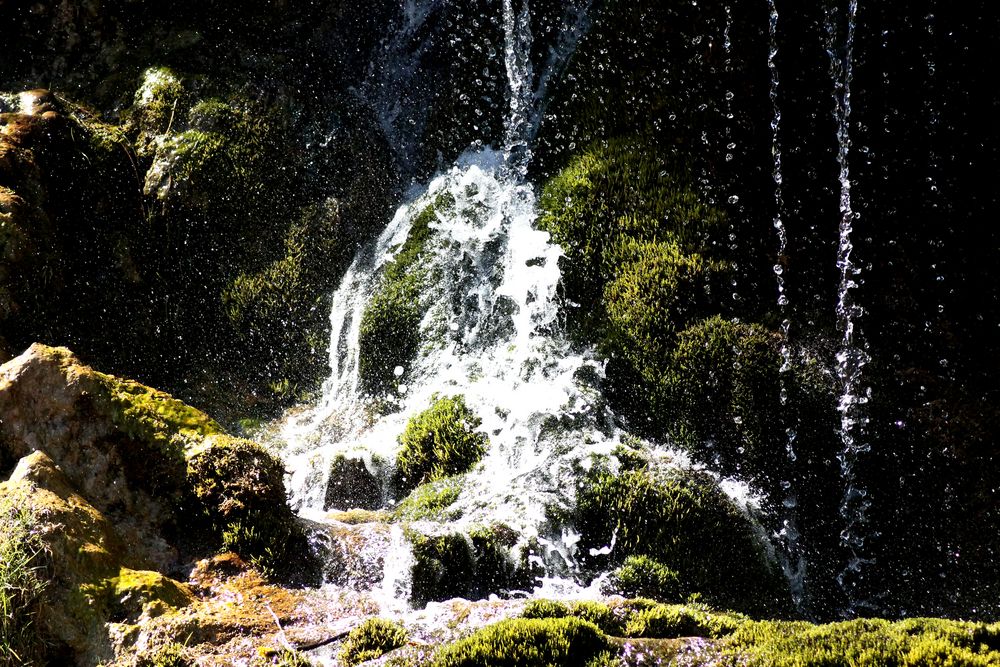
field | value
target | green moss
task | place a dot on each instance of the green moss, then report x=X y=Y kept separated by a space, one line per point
x=157 y=100
x=282 y=658
x=128 y=595
x=686 y=523
x=170 y=655
x=865 y=643
x=390 y=325
x=473 y=565
x=430 y=501
x=526 y=643
x=657 y=290
x=238 y=488
x=159 y=427
x=22 y=585
x=545 y=609
x=285 y=304
x=372 y=639
x=617 y=191
x=444 y=567
x=669 y=621
x=642 y=576
x=439 y=442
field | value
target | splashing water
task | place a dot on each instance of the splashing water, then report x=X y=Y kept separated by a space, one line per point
x=852 y=358
x=490 y=332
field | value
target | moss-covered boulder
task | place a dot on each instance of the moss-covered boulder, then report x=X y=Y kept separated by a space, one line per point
x=155 y=466
x=683 y=521
x=92 y=573
x=527 y=643
x=352 y=485
x=372 y=639
x=623 y=190
x=473 y=564
x=439 y=442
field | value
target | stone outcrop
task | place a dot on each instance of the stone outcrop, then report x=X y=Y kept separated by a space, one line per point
x=124 y=485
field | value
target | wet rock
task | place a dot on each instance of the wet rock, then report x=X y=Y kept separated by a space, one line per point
x=94 y=574
x=352 y=485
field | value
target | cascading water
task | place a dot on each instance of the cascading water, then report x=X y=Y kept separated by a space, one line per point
x=794 y=562
x=490 y=331
x=851 y=358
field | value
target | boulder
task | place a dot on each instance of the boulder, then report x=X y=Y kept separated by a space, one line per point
x=91 y=574
x=121 y=444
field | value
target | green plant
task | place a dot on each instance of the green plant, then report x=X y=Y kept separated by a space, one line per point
x=439 y=442
x=615 y=192
x=168 y=655
x=686 y=523
x=918 y=642
x=390 y=325
x=430 y=501
x=522 y=642
x=668 y=621
x=642 y=576
x=657 y=290
x=22 y=586
x=545 y=609
x=444 y=566
x=372 y=639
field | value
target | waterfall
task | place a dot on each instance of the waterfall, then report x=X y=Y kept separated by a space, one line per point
x=489 y=330
x=794 y=562
x=851 y=358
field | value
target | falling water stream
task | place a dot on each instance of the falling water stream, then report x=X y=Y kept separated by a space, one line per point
x=793 y=561
x=851 y=358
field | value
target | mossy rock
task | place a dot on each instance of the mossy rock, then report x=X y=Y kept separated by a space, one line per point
x=237 y=480
x=439 y=442
x=125 y=597
x=370 y=640
x=471 y=565
x=918 y=642
x=527 y=643
x=351 y=485
x=431 y=501
x=642 y=576
x=619 y=191
x=657 y=290
x=390 y=325
x=685 y=522
x=444 y=567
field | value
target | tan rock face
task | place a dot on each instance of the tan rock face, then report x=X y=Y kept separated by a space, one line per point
x=87 y=564
x=120 y=443
x=115 y=475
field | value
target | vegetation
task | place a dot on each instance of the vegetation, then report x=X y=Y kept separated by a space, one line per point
x=390 y=325
x=439 y=442
x=613 y=197
x=169 y=655
x=642 y=576
x=685 y=523
x=527 y=643
x=430 y=501
x=22 y=586
x=372 y=639
x=918 y=642
x=444 y=567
